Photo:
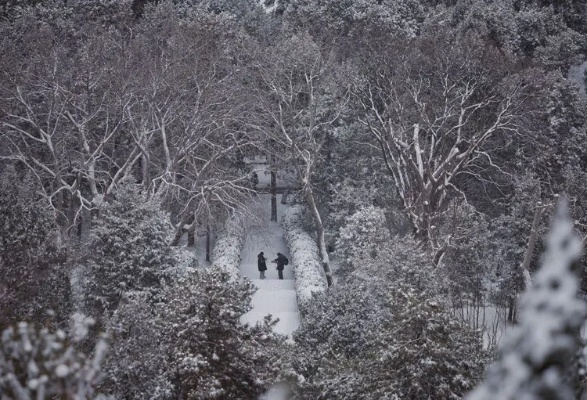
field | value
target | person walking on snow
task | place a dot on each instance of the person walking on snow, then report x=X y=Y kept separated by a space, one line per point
x=281 y=261
x=261 y=264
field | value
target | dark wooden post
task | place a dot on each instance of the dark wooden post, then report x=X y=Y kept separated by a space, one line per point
x=192 y=231
x=273 y=190
x=192 y=236
x=207 y=242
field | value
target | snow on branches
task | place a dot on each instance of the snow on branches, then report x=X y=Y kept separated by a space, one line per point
x=534 y=360
x=191 y=344
x=43 y=364
x=304 y=253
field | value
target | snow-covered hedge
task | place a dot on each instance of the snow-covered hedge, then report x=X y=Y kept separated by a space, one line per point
x=228 y=247
x=307 y=268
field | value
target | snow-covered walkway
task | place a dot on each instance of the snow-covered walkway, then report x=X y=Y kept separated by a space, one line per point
x=275 y=297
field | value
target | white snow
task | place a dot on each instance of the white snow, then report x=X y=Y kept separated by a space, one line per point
x=310 y=277
x=62 y=370
x=80 y=325
x=274 y=296
x=533 y=357
x=279 y=391
x=227 y=251
x=577 y=75
x=285 y=175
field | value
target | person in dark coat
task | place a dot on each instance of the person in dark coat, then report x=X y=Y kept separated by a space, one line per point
x=281 y=261
x=261 y=264
x=254 y=180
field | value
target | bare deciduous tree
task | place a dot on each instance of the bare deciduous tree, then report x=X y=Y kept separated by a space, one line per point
x=430 y=116
x=299 y=108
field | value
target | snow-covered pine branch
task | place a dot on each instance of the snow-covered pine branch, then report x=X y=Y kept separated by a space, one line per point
x=43 y=364
x=533 y=362
x=307 y=268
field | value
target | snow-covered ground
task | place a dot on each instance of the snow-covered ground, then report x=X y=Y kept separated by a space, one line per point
x=577 y=75
x=491 y=321
x=286 y=175
x=199 y=247
x=275 y=297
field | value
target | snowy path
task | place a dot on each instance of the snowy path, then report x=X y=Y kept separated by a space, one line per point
x=577 y=75
x=275 y=297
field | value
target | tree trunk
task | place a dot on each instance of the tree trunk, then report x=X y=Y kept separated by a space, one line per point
x=179 y=230
x=60 y=218
x=140 y=169
x=79 y=230
x=512 y=310
x=72 y=208
x=192 y=236
x=525 y=266
x=145 y=176
x=325 y=259
x=192 y=231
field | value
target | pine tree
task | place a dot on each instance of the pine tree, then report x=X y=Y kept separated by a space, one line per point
x=535 y=358
x=44 y=364
x=129 y=250
x=384 y=330
x=34 y=278
x=191 y=343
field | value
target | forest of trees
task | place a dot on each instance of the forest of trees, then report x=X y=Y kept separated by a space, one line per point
x=431 y=140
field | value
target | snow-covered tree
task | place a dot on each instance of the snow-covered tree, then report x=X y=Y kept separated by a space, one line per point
x=432 y=125
x=351 y=186
x=137 y=365
x=191 y=344
x=524 y=28
x=214 y=355
x=328 y=19
x=466 y=261
x=384 y=331
x=299 y=105
x=535 y=358
x=34 y=277
x=363 y=232
x=129 y=250
x=42 y=364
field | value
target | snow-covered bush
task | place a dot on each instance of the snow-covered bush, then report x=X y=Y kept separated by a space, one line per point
x=345 y=197
x=33 y=278
x=383 y=331
x=227 y=250
x=214 y=355
x=137 y=365
x=129 y=250
x=534 y=359
x=43 y=364
x=363 y=230
x=369 y=252
x=307 y=268
x=467 y=260
x=191 y=344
